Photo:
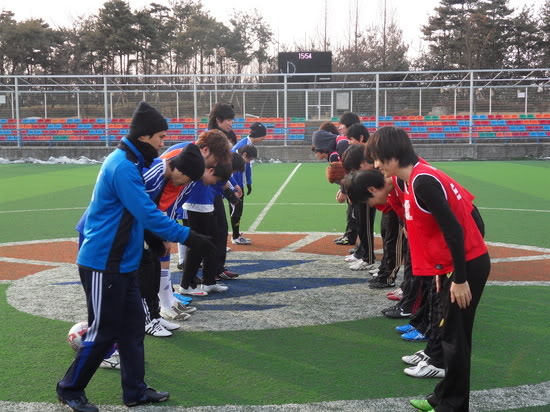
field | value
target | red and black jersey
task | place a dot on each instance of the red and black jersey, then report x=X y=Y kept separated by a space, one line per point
x=430 y=254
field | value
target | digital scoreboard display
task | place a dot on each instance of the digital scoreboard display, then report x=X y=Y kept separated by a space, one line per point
x=294 y=63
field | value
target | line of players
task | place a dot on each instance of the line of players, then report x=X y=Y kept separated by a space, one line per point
x=430 y=226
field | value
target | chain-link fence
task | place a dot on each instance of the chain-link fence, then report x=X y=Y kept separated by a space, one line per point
x=446 y=95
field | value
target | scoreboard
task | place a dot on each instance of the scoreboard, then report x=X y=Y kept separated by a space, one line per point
x=306 y=62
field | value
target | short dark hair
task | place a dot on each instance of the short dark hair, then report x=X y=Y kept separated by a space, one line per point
x=237 y=163
x=358 y=132
x=250 y=150
x=349 y=118
x=329 y=127
x=223 y=171
x=391 y=143
x=353 y=157
x=220 y=111
x=357 y=184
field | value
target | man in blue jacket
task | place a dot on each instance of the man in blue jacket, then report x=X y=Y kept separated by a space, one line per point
x=108 y=262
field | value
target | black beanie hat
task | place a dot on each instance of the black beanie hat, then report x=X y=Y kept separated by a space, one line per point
x=190 y=162
x=146 y=120
x=257 y=129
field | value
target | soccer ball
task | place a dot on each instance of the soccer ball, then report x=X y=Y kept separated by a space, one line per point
x=75 y=334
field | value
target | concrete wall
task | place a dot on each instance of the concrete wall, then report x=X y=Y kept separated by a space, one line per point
x=304 y=153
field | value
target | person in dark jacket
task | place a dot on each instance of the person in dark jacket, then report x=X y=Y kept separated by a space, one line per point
x=108 y=261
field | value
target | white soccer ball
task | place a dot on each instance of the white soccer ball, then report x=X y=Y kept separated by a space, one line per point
x=75 y=334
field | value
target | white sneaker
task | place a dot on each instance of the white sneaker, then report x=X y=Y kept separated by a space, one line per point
x=425 y=370
x=173 y=314
x=111 y=363
x=198 y=291
x=374 y=272
x=170 y=326
x=361 y=265
x=415 y=358
x=241 y=241
x=228 y=249
x=351 y=258
x=214 y=288
x=154 y=328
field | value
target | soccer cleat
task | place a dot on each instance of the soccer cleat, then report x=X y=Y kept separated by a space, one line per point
x=173 y=314
x=421 y=404
x=374 y=272
x=169 y=326
x=183 y=299
x=390 y=308
x=241 y=241
x=228 y=249
x=150 y=396
x=338 y=239
x=396 y=295
x=414 y=336
x=397 y=313
x=198 y=291
x=405 y=328
x=78 y=405
x=111 y=363
x=351 y=259
x=425 y=370
x=215 y=288
x=415 y=358
x=180 y=307
x=342 y=241
x=154 y=328
x=228 y=275
x=361 y=265
x=377 y=284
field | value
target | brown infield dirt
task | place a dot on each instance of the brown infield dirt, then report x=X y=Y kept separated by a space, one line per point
x=65 y=252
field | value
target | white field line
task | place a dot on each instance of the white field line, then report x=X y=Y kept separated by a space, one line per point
x=261 y=216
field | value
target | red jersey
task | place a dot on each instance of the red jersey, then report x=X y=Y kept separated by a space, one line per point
x=170 y=192
x=430 y=254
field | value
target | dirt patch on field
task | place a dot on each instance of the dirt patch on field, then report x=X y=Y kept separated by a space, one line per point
x=63 y=252
x=13 y=271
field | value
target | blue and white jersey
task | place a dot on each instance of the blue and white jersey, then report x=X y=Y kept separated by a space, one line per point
x=248 y=166
x=155 y=179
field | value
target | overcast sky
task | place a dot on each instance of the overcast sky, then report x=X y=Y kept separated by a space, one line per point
x=292 y=21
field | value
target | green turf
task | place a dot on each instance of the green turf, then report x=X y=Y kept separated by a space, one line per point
x=514 y=185
x=346 y=360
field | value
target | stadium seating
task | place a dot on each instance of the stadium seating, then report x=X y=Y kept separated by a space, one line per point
x=182 y=129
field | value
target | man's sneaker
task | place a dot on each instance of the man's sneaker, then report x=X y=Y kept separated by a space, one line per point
x=183 y=299
x=180 y=266
x=150 y=396
x=180 y=307
x=397 y=313
x=154 y=328
x=351 y=259
x=396 y=295
x=425 y=370
x=228 y=275
x=414 y=336
x=422 y=404
x=338 y=239
x=170 y=326
x=389 y=309
x=374 y=272
x=79 y=405
x=198 y=291
x=173 y=314
x=377 y=284
x=405 y=329
x=415 y=358
x=214 y=288
x=111 y=363
x=228 y=249
x=361 y=265
x=241 y=241
x=343 y=241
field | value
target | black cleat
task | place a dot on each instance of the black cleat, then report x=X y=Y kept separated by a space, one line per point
x=79 y=405
x=150 y=396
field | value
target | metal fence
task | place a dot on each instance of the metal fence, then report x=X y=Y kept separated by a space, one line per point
x=380 y=95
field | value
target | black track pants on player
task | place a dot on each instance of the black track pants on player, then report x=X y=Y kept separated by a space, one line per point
x=115 y=314
x=220 y=235
x=202 y=223
x=452 y=394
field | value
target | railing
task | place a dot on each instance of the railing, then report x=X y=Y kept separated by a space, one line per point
x=456 y=100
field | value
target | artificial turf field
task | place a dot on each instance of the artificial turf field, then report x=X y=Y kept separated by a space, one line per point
x=351 y=360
